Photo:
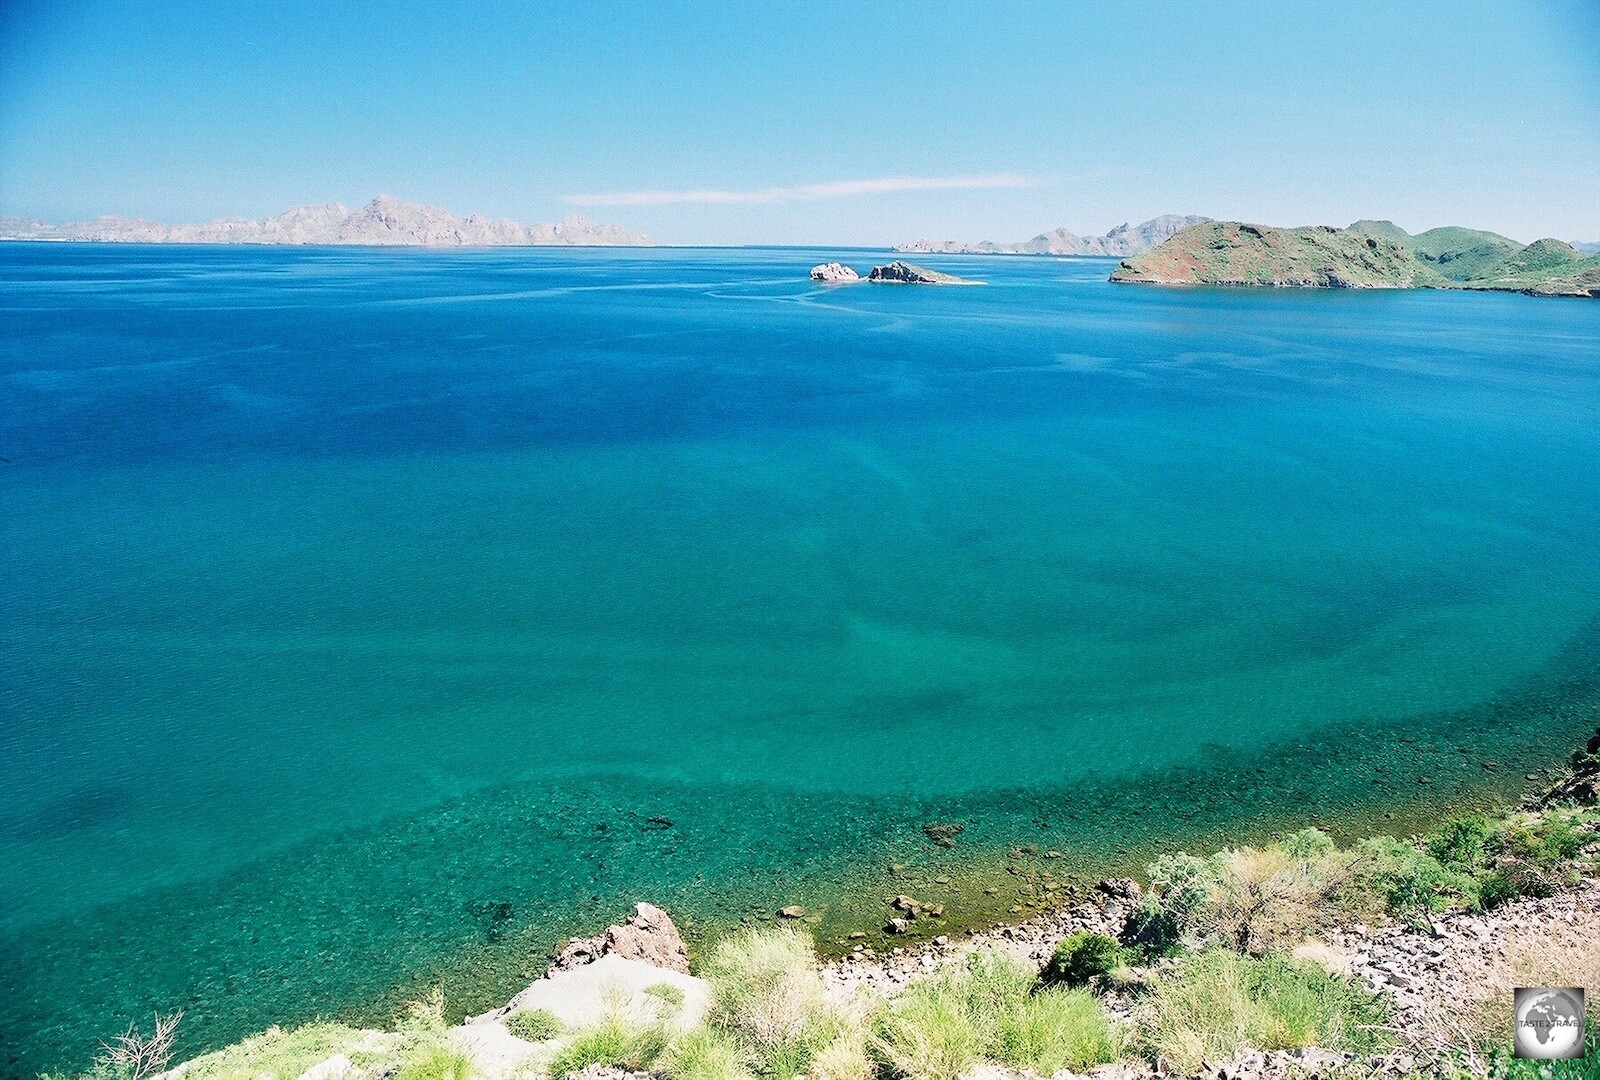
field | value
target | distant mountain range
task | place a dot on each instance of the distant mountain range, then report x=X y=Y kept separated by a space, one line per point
x=1367 y=255
x=1123 y=240
x=384 y=221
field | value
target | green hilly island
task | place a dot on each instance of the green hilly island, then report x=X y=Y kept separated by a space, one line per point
x=1367 y=255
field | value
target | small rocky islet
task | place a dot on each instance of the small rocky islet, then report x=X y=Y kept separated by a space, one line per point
x=895 y=273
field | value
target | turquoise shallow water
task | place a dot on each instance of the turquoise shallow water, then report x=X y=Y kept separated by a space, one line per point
x=361 y=607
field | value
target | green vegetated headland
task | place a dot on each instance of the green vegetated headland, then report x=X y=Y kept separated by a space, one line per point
x=1367 y=255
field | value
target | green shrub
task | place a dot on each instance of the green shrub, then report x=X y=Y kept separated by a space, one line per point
x=1249 y=899
x=1218 y=1003
x=1152 y=933
x=766 y=992
x=534 y=1025
x=1545 y=842
x=615 y=1041
x=1496 y=888
x=1412 y=884
x=1082 y=956
x=1308 y=845
x=705 y=1053
x=1461 y=844
x=1182 y=884
x=1055 y=1030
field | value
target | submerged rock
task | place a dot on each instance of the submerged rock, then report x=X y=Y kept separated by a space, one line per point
x=834 y=274
x=1120 y=889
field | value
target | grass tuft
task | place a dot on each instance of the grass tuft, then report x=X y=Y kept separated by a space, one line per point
x=1217 y=1004
x=705 y=1053
x=943 y=1026
x=766 y=992
x=616 y=1041
x=928 y=1034
x=1055 y=1030
x=434 y=1061
x=846 y=1057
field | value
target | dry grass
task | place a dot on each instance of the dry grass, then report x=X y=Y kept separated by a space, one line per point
x=136 y=1055
x=1470 y=1026
x=767 y=993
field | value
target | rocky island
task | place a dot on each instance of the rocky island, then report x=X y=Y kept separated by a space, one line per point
x=895 y=273
x=1123 y=240
x=385 y=221
x=1367 y=255
x=904 y=273
x=834 y=274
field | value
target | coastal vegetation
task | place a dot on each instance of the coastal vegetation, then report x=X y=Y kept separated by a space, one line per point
x=1216 y=1004
x=1367 y=255
x=535 y=1025
x=1219 y=958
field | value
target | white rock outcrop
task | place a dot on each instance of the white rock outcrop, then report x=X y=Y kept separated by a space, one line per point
x=834 y=274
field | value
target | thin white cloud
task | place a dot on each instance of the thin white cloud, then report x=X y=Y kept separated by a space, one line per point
x=837 y=189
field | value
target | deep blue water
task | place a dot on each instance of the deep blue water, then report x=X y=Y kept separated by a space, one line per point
x=350 y=593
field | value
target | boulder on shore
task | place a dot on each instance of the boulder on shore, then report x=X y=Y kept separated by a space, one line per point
x=648 y=935
x=834 y=274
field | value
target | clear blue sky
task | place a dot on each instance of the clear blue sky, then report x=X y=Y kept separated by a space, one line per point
x=813 y=121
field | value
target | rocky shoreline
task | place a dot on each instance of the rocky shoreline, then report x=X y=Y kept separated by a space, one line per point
x=1440 y=977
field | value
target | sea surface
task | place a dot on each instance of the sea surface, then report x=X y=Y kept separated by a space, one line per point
x=371 y=620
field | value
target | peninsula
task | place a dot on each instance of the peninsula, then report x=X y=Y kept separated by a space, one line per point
x=385 y=221
x=1367 y=255
x=1123 y=240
